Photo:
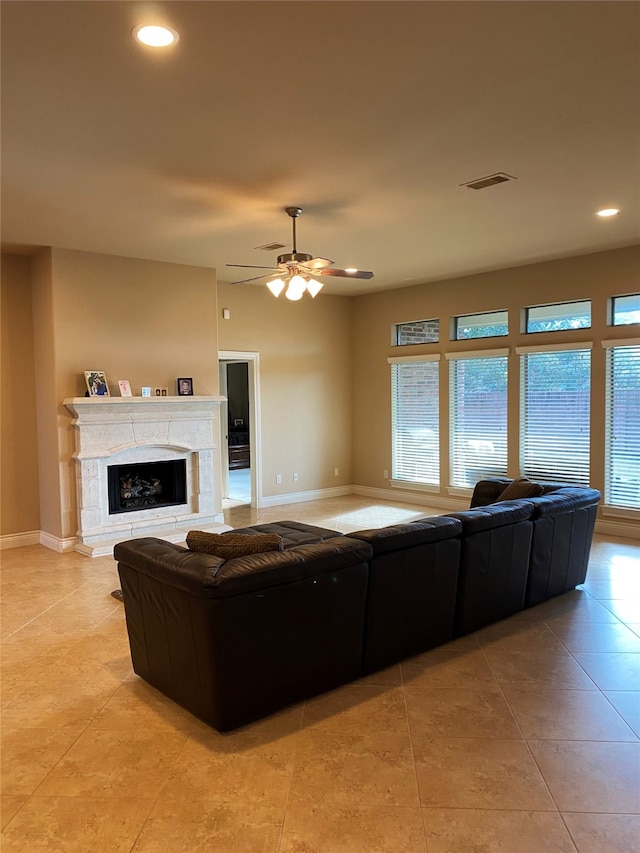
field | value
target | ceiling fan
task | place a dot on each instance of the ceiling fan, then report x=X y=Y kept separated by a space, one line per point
x=298 y=271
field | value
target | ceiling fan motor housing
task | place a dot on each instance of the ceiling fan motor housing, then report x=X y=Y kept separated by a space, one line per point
x=293 y=258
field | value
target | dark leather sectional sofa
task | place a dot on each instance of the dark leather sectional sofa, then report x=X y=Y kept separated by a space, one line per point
x=232 y=641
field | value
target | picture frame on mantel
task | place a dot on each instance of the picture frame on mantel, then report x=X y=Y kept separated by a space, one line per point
x=96 y=383
x=125 y=388
x=185 y=386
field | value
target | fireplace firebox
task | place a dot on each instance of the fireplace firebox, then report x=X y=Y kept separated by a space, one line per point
x=146 y=485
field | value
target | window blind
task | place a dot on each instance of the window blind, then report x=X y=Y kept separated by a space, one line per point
x=622 y=442
x=555 y=412
x=477 y=418
x=414 y=413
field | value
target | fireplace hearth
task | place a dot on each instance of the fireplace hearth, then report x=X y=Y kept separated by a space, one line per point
x=146 y=485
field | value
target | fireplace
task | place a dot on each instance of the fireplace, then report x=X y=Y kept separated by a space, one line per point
x=146 y=485
x=145 y=466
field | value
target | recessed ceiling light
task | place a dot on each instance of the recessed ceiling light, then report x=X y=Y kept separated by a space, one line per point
x=155 y=36
x=608 y=211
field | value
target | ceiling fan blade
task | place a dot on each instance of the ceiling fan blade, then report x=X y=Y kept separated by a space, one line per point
x=255 y=278
x=316 y=263
x=253 y=267
x=345 y=274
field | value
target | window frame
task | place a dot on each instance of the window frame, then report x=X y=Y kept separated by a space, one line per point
x=526 y=311
x=608 y=506
x=455 y=323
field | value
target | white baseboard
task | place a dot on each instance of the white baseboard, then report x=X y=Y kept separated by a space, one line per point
x=627 y=529
x=18 y=540
x=301 y=497
x=62 y=546
x=411 y=497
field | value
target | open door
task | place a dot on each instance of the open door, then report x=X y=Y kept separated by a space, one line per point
x=240 y=425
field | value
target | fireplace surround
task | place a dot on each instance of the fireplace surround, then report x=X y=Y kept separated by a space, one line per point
x=146 y=431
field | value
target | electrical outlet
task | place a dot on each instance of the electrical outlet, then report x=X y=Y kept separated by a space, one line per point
x=385 y=474
x=295 y=478
x=278 y=479
x=336 y=472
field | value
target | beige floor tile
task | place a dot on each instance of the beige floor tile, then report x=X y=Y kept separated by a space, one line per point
x=538 y=668
x=115 y=764
x=136 y=706
x=574 y=606
x=591 y=777
x=438 y=668
x=322 y=829
x=598 y=637
x=391 y=676
x=9 y=806
x=518 y=633
x=28 y=755
x=75 y=825
x=626 y=611
x=492 y=831
x=479 y=773
x=243 y=766
x=353 y=770
x=357 y=708
x=547 y=714
x=604 y=833
x=186 y=827
x=460 y=712
x=627 y=703
x=611 y=671
x=616 y=586
x=64 y=700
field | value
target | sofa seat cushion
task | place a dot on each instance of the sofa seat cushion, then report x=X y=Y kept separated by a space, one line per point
x=292 y=533
x=398 y=537
x=520 y=488
x=493 y=515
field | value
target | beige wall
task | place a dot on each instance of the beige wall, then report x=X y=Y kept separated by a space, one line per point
x=595 y=276
x=19 y=501
x=145 y=321
x=305 y=382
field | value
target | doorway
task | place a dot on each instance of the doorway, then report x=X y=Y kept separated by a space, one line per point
x=240 y=428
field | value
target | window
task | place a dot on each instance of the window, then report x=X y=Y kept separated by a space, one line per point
x=478 y=416
x=625 y=309
x=414 y=427
x=622 y=443
x=555 y=318
x=554 y=413
x=488 y=325
x=417 y=332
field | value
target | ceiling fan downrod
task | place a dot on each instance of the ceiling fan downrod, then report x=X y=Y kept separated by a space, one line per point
x=294 y=213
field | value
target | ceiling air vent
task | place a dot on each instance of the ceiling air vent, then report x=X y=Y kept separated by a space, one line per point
x=272 y=247
x=489 y=181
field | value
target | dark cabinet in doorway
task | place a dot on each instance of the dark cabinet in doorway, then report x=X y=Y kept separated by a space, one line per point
x=239 y=450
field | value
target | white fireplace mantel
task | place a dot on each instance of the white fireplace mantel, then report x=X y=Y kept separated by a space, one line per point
x=131 y=430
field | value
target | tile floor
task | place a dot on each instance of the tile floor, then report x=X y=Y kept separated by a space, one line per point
x=521 y=738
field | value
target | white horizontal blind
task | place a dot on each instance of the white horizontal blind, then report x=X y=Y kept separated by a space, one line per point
x=477 y=418
x=622 y=447
x=554 y=417
x=414 y=412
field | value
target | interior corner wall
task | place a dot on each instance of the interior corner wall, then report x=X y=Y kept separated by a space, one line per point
x=595 y=276
x=305 y=383
x=145 y=321
x=19 y=490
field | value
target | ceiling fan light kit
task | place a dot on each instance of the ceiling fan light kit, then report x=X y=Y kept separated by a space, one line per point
x=300 y=270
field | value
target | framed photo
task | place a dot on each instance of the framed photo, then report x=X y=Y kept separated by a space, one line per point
x=161 y=392
x=185 y=386
x=125 y=388
x=146 y=390
x=96 y=383
x=238 y=422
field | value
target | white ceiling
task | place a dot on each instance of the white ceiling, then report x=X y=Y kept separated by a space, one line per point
x=368 y=115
